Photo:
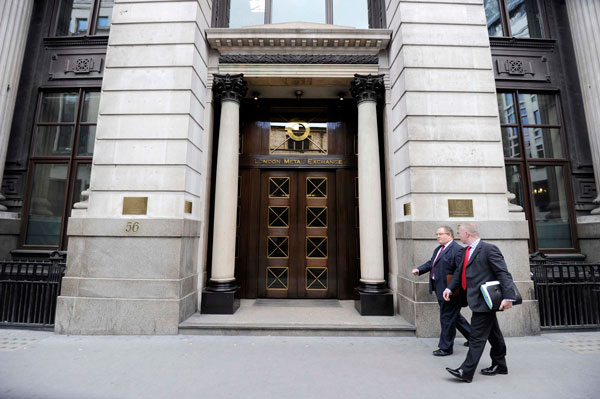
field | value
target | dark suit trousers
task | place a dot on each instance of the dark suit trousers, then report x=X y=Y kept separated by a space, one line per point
x=484 y=327
x=450 y=321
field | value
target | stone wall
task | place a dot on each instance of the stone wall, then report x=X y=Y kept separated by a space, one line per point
x=153 y=140
x=444 y=142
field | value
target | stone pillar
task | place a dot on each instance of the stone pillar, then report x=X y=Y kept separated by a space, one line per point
x=584 y=18
x=446 y=158
x=221 y=295
x=134 y=260
x=374 y=296
x=14 y=25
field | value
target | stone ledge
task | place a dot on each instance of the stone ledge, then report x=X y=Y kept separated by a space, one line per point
x=93 y=227
x=298 y=38
x=588 y=226
x=9 y=225
x=99 y=316
x=489 y=230
x=127 y=288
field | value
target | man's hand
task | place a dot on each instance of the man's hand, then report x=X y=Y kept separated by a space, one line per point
x=447 y=294
x=415 y=272
x=505 y=305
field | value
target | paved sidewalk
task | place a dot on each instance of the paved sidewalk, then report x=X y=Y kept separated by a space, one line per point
x=36 y=364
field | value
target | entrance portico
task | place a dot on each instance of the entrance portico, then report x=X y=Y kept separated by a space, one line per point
x=295 y=242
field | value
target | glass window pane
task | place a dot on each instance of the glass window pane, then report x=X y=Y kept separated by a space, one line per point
x=58 y=107
x=82 y=181
x=351 y=13
x=298 y=137
x=551 y=206
x=506 y=108
x=542 y=142
x=298 y=10
x=510 y=142
x=514 y=181
x=53 y=140
x=91 y=101
x=246 y=13
x=87 y=137
x=538 y=109
x=46 y=204
x=73 y=17
x=492 y=16
x=104 y=17
x=524 y=18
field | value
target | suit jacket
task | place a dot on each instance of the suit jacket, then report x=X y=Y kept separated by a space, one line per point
x=486 y=264
x=445 y=264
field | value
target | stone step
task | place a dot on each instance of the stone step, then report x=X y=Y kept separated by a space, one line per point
x=297 y=318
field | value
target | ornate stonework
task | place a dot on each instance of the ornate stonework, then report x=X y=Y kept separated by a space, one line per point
x=229 y=87
x=298 y=59
x=367 y=88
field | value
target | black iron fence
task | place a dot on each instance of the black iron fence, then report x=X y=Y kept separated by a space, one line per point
x=568 y=293
x=28 y=290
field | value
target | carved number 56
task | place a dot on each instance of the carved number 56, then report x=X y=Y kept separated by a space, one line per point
x=132 y=227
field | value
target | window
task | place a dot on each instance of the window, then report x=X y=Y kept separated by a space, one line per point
x=60 y=164
x=513 y=18
x=536 y=166
x=339 y=12
x=73 y=17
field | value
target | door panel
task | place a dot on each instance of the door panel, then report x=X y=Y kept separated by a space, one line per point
x=296 y=258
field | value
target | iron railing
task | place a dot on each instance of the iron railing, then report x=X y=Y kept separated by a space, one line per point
x=568 y=293
x=28 y=291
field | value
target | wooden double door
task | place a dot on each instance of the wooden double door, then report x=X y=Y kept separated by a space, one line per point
x=293 y=239
x=297 y=218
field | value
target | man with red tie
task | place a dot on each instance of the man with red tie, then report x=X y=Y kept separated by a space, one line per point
x=442 y=263
x=481 y=262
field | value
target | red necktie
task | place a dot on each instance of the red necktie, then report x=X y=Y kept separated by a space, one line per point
x=463 y=277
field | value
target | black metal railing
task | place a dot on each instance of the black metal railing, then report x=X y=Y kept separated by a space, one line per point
x=28 y=290
x=568 y=293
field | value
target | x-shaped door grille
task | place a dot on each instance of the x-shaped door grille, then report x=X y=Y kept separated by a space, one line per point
x=279 y=216
x=316 y=247
x=279 y=187
x=316 y=278
x=277 y=247
x=316 y=187
x=316 y=216
x=277 y=278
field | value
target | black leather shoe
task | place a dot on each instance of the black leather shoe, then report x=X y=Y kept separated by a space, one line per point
x=466 y=343
x=441 y=352
x=493 y=370
x=460 y=374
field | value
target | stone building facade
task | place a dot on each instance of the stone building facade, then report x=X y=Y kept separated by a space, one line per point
x=166 y=146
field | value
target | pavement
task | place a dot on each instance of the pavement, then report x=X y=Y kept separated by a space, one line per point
x=41 y=364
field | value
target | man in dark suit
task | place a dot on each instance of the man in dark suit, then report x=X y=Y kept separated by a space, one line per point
x=481 y=262
x=442 y=263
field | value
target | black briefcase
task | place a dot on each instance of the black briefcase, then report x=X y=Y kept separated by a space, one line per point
x=492 y=293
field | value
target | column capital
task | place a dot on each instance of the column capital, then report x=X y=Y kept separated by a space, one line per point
x=229 y=87
x=367 y=87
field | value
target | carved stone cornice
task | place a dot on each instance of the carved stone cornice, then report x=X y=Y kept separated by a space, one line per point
x=229 y=87
x=367 y=87
x=298 y=38
x=306 y=59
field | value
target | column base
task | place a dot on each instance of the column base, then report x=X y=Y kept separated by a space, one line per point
x=375 y=299
x=220 y=298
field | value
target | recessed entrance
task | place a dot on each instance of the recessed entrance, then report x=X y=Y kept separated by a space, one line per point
x=297 y=234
